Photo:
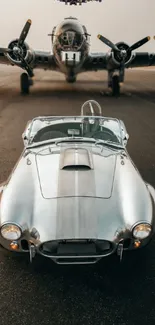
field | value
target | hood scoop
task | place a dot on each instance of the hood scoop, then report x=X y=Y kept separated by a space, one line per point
x=75 y=172
x=76 y=159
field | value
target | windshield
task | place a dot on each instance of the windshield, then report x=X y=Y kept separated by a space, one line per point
x=70 y=40
x=97 y=128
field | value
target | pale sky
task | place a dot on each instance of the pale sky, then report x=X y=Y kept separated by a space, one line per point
x=118 y=20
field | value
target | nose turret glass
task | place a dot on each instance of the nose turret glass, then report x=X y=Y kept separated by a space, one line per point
x=70 y=40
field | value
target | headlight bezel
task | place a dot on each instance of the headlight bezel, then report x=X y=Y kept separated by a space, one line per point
x=14 y=224
x=141 y=224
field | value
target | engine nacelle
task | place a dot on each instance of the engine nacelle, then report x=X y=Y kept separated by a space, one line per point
x=25 y=51
x=117 y=57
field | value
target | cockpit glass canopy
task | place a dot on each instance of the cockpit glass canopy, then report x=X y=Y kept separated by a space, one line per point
x=97 y=128
x=70 y=40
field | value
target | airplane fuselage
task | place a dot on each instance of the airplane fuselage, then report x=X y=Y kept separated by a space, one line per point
x=70 y=47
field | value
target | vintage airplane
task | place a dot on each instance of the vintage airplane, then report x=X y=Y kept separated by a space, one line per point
x=71 y=56
x=75 y=2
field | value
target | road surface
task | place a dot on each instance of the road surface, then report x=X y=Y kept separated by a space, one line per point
x=108 y=293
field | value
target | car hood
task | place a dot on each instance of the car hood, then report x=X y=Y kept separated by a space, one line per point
x=76 y=172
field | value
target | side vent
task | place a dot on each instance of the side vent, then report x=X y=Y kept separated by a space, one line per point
x=76 y=159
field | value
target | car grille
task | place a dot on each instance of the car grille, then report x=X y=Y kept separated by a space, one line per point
x=75 y=248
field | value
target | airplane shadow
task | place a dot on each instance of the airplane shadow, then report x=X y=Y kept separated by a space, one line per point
x=41 y=92
x=101 y=92
x=71 y=91
x=78 y=82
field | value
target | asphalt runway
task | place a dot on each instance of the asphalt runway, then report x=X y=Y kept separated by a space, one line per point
x=108 y=293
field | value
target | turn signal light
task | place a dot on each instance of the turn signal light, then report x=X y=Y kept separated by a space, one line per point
x=14 y=246
x=137 y=243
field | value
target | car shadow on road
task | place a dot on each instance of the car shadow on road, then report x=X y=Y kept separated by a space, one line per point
x=108 y=275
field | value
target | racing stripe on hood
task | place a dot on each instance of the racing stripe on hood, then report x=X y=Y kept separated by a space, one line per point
x=77 y=178
x=72 y=215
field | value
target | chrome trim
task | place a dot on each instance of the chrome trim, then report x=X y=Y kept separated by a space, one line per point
x=14 y=224
x=140 y=223
x=90 y=102
x=78 y=259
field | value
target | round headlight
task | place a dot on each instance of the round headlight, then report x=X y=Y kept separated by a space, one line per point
x=10 y=232
x=142 y=231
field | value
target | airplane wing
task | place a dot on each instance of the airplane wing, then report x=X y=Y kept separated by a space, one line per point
x=121 y=56
x=3 y=59
x=75 y=2
x=44 y=60
x=41 y=60
x=20 y=54
x=107 y=61
x=142 y=59
x=95 y=62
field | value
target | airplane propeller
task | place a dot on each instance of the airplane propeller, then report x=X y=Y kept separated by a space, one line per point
x=108 y=42
x=17 y=48
x=123 y=52
x=24 y=32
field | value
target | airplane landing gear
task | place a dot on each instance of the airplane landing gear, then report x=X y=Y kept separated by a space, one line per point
x=25 y=83
x=71 y=79
x=115 y=86
x=114 y=83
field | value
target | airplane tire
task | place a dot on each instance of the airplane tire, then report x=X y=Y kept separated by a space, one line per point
x=24 y=83
x=71 y=79
x=115 y=86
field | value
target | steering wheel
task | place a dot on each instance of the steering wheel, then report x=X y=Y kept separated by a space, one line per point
x=47 y=134
x=90 y=103
x=105 y=134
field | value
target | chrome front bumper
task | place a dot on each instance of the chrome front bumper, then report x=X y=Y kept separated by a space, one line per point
x=75 y=251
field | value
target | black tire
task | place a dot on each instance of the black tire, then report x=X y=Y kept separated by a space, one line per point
x=24 y=83
x=115 y=86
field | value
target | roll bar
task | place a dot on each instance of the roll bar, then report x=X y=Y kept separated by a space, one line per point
x=90 y=102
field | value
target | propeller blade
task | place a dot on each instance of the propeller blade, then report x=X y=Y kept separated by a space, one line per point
x=153 y=37
x=26 y=66
x=107 y=42
x=29 y=70
x=5 y=50
x=24 y=32
x=139 y=43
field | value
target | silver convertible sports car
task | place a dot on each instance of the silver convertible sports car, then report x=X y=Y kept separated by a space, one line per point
x=75 y=196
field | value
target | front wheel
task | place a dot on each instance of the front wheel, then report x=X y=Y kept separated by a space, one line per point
x=71 y=79
x=24 y=83
x=115 y=86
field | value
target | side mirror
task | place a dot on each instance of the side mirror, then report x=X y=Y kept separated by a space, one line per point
x=2 y=186
x=125 y=135
x=1 y=189
x=26 y=134
x=125 y=139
